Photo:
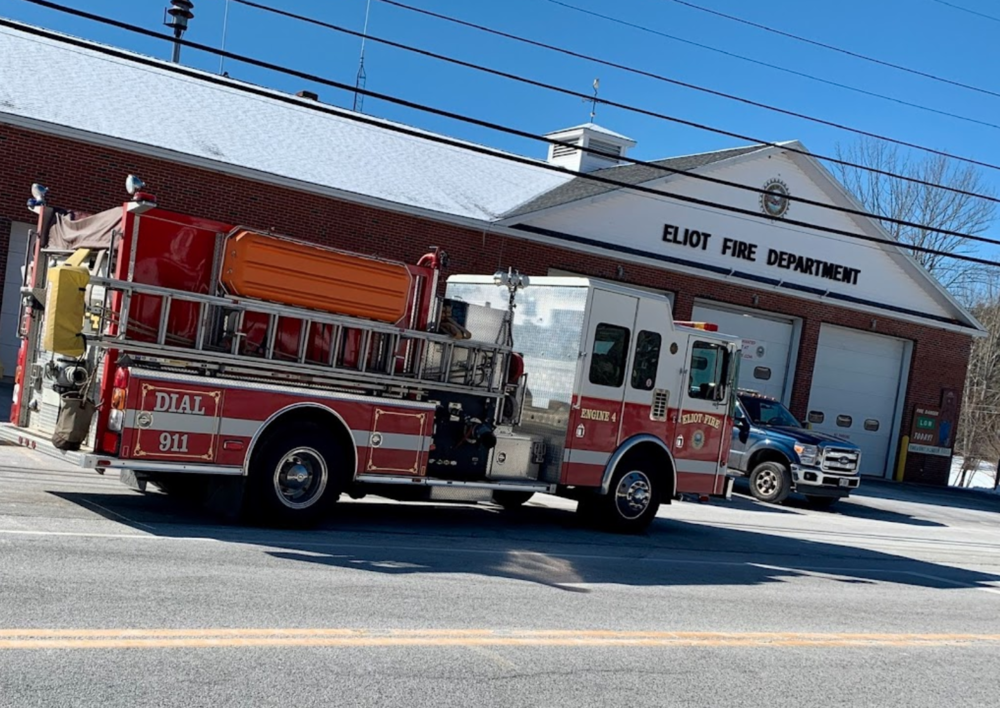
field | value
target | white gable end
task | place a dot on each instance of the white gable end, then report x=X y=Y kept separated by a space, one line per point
x=713 y=243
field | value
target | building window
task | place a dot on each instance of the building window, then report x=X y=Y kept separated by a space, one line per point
x=816 y=417
x=844 y=421
x=709 y=372
x=607 y=363
x=647 y=359
x=762 y=372
x=871 y=425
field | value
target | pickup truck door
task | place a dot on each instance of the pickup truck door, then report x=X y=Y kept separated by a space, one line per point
x=738 y=448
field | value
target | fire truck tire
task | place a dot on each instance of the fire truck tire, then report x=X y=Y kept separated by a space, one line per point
x=295 y=475
x=631 y=503
x=771 y=482
x=511 y=500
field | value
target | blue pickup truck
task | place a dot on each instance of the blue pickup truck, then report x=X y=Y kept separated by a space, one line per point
x=780 y=456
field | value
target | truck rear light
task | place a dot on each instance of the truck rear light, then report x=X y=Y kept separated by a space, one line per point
x=116 y=417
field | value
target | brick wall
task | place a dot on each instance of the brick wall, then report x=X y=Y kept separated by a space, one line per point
x=91 y=178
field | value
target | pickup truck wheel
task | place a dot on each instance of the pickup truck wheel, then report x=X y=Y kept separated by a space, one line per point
x=295 y=475
x=821 y=502
x=631 y=503
x=511 y=500
x=770 y=482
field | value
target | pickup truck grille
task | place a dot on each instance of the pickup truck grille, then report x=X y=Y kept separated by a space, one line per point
x=839 y=460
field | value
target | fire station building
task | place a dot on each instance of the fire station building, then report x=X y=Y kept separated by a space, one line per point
x=850 y=333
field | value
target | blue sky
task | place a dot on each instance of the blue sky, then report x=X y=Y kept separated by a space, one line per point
x=922 y=34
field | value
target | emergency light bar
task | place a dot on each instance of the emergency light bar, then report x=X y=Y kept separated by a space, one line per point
x=707 y=326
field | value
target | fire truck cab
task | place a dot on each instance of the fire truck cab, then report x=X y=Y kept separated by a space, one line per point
x=185 y=352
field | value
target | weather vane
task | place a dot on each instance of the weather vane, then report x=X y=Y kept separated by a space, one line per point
x=593 y=101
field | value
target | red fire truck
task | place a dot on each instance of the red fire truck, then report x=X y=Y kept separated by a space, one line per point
x=176 y=349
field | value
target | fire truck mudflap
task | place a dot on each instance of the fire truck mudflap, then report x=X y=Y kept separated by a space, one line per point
x=199 y=363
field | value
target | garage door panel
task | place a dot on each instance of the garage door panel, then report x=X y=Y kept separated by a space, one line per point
x=11 y=296
x=856 y=380
x=766 y=346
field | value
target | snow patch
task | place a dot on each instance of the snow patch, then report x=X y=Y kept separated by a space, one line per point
x=982 y=477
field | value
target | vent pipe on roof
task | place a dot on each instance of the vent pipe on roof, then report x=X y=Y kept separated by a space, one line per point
x=176 y=17
x=308 y=94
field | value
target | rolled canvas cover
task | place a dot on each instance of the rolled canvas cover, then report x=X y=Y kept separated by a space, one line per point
x=68 y=234
x=277 y=270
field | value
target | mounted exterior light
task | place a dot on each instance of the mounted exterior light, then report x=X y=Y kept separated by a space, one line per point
x=133 y=184
x=142 y=200
x=510 y=279
x=38 y=192
x=176 y=17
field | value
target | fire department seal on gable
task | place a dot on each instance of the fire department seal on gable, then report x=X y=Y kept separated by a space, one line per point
x=774 y=200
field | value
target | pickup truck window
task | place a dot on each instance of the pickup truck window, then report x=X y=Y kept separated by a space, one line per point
x=765 y=412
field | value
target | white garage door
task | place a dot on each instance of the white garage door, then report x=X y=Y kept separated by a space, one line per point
x=855 y=390
x=9 y=343
x=767 y=347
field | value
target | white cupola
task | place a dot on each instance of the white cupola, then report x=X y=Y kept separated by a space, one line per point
x=606 y=148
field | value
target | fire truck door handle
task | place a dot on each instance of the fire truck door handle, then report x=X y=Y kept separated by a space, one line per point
x=680 y=441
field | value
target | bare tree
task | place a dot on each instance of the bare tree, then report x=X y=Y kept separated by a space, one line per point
x=930 y=206
x=979 y=422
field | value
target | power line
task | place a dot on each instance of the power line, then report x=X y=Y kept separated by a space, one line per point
x=596 y=100
x=811 y=77
x=413 y=132
x=832 y=48
x=971 y=12
x=720 y=131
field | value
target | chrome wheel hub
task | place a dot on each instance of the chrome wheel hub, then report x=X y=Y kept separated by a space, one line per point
x=767 y=482
x=633 y=495
x=300 y=478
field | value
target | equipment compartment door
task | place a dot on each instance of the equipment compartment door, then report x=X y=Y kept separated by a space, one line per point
x=595 y=422
x=398 y=442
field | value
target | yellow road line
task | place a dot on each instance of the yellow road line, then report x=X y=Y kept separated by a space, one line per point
x=23 y=639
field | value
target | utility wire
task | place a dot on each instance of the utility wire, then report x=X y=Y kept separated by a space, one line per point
x=971 y=12
x=595 y=99
x=832 y=48
x=811 y=77
x=423 y=135
x=720 y=131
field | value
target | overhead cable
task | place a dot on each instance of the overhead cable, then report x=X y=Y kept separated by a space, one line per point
x=970 y=11
x=725 y=52
x=840 y=50
x=721 y=131
x=423 y=135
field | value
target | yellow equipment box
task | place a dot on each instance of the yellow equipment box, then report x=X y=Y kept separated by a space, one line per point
x=65 y=306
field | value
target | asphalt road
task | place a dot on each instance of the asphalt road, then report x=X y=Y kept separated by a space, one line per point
x=112 y=598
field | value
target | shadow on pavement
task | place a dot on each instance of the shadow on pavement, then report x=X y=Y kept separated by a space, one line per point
x=937 y=496
x=535 y=544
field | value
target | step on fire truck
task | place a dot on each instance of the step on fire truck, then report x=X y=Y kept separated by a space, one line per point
x=173 y=348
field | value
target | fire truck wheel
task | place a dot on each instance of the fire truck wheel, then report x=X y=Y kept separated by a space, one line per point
x=511 y=500
x=631 y=503
x=295 y=475
x=770 y=482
